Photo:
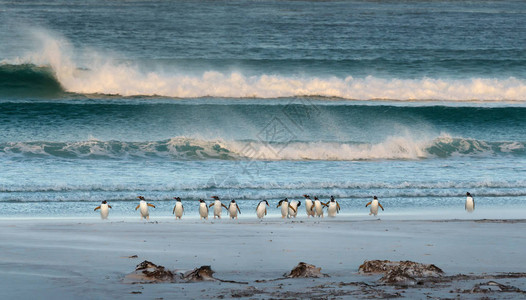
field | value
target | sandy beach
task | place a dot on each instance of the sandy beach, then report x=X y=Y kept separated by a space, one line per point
x=89 y=258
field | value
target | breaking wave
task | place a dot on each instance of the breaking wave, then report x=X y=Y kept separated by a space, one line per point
x=182 y=148
x=53 y=69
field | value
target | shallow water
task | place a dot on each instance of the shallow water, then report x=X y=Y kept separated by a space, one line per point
x=415 y=102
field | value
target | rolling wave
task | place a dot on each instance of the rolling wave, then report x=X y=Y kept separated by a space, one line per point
x=52 y=69
x=182 y=148
x=128 y=81
x=28 y=80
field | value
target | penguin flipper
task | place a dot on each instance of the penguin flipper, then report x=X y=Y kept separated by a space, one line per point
x=224 y=206
x=292 y=208
x=173 y=211
x=211 y=204
x=150 y=205
x=110 y=206
x=368 y=203
x=137 y=206
x=265 y=211
x=98 y=207
x=380 y=206
x=239 y=210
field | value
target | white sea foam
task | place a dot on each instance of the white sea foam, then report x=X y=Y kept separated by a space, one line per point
x=185 y=148
x=102 y=75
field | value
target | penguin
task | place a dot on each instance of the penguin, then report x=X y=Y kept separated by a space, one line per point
x=334 y=207
x=104 y=209
x=293 y=208
x=233 y=208
x=145 y=214
x=218 y=207
x=309 y=206
x=284 y=203
x=178 y=208
x=374 y=206
x=318 y=207
x=261 y=209
x=203 y=209
x=470 y=203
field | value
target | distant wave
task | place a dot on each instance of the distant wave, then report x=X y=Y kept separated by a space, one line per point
x=53 y=69
x=182 y=148
x=128 y=81
x=28 y=80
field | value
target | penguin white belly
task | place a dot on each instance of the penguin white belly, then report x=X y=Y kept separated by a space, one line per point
x=260 y=212
x=232 y=209
x=203 y=212
x=217 y=209
x=284 y=209
x=292 y=205
x=318 y=208
x=104 y=211
x=144 y=210
x=470 y=207
x=374 y=208
x=308 y=207
x=178 y=210
x=332 y=210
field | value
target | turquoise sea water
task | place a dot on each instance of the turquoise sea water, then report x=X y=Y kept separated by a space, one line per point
x=416 y=102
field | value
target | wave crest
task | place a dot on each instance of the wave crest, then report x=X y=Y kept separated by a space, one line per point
x=109 y=77
x=182 y=148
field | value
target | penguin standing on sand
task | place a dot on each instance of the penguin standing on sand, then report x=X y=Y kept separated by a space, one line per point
x=470 y=203
x=293 y=208
x=104 y=209
x=318 y=207
x=218 y=207
x=145 y=214
x=261 y=209
x=309 y=206
x=178 y=208
x=284 y=203
x=233 y=208
x=203 y=209
x=374 y=206
x=334 y=207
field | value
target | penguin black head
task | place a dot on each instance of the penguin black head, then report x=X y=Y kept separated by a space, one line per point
x=201 y=200
x=315 y=198
x=104 y=202
x=177 y=199
x=233 y=201
x=468 y=194
x=332 y=198
x=266 y=202
x=141 y=197
x=306 y=196
x=299 y=203
x=215 y=197
x=375 y=198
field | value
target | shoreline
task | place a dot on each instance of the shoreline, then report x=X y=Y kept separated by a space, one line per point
x=71 y=257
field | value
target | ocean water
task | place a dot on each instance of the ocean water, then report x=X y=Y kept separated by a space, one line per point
x=416 y=102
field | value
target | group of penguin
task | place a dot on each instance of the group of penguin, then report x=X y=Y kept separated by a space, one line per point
x=313 y=208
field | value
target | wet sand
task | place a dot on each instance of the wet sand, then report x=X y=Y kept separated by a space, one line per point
x=89 y=258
